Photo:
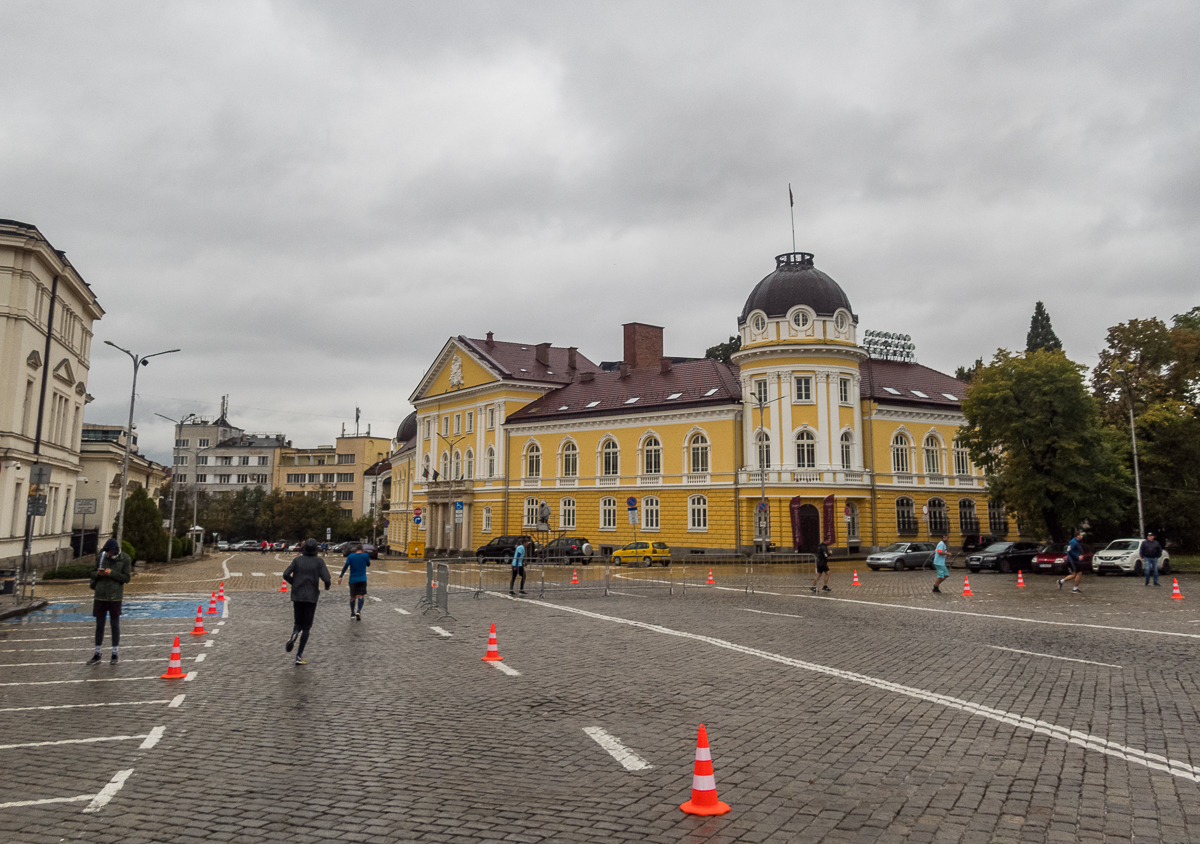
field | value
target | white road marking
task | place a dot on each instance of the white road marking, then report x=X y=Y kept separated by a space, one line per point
x=71 y=662
x=630 y=760
x=70 y=638
x=208 y=643
x=235 y=574
x=257 y=574
x=81 y=705
x=73 y=741
x=109 y=791
x=626 y=594
x=176 y=702
x=220 y=624
x=225 y=568
x=224 y=611
x=215 y=632
x=1052 y=656
x=152 y=738
x=441 y=632
x=58 y=682
x=76 y=648
x=200 y=657
x=1091 y=742
x=373 y=598
x=277 y=573
x=15 y=803
x=191 y=675
x=764 y=612
x=402 y=612
x=511 y=672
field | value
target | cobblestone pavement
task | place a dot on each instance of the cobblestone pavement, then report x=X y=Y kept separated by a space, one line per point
x=876 y=713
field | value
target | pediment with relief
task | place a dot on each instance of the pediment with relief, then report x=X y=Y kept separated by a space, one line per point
x=63 y=372
x=34 y=359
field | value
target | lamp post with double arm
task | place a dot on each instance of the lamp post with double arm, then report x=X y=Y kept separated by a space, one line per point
x=1137 y=480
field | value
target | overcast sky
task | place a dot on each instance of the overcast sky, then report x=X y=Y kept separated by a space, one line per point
x=309 y=198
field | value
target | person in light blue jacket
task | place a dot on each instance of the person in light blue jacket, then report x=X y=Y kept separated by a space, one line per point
x=518 y=567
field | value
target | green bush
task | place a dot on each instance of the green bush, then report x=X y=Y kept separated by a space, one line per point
x=181 y=547
x=128 y=549
x=74 y=571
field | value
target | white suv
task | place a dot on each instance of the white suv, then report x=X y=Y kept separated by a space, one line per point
x=1121 y=556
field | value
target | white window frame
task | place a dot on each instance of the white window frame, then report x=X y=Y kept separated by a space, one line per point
x=490 y=457
x=491 y=418
x=610 y=448
x=457 y=424
x=844 y=391
x=698 y=514
x=802 y=392
x=566 y=514
x=530 y=511
x=608 y=513
x=486 y=526
x=570 y=460
x=652 y=456
x=651 y=513
x=932 y=454
x=470 y=421
x=761 y=391
x=901 y=445
x=698 y=447
x=806 y=449
x=470 y=464
x=533 y=460
x=847 y=445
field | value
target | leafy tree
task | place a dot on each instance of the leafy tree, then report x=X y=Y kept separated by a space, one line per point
x=1138 y=365
x=967 y=373
x=724 y=351
x=143 y=527
x=298 y=517
x=1033 y=427
x=1169 y=461
x=1041 y=336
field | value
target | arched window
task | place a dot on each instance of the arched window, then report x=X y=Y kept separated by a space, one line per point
x=906 y=517
x=610 y=458
x=487 y=520
x=425 y=475
x=699 y=454
x=470 y=465
x=531 y=511
x=962 y=459
x=491 y=462
x=533 y=461
x=652 y=457
x=697 y=513
x=445 y=465
x=847 y=450
x=939 y=520
x=570 y=460
x=650 y=513
x=900 y=454
x=764 y=450
x=457 y=473
x=968 y=522
x=933 y=455
x=566 y=514
x=608 y=514
x=997 y=519
x=806 y=450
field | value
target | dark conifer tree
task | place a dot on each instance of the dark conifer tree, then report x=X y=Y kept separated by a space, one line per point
x=1041 y=336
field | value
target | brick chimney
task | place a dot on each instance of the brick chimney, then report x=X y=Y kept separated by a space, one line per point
x=643 y=344
x=542 y=352
x=665 y=365
x=585 y=377
x=490 y=342
x=572 y=357
x=625 y=370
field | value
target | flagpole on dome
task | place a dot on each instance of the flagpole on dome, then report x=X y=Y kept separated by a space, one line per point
x=792 y=210
x=357 y=413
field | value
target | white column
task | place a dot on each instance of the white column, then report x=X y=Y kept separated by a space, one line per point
x=776 y=429
x=787 y=453
x=749 y=424
x=831 y=439
x=467 y=544
x=499 y=438
x=858 y=425
x=820 y=383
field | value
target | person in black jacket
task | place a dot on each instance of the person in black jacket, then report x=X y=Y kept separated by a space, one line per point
x=1150 y=552
x=303 y=574
x=822 y=568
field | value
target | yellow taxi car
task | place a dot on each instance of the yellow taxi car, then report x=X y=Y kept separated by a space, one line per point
x=643 y=554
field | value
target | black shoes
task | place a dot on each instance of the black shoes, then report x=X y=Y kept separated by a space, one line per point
x=95 y=660
x=1060 y=583
x=300 y=660
x=358 y=616
x=814 y=589
x=291 y=643
x=523 y=591
x=935 y=589
x=826 y=589
x=114 y=660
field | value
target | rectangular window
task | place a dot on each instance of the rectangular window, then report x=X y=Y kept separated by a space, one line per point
x=760 y=391
x=804 y=388
x=531 y=511
x=295 y=478
x=26 y=413
x=345 y=477
x=314 y=477
x=181 y=443
x=202 y=479
x=491 y=418
x=203 y=443
x=446 y=426
x=487 y=519
x=289 y=495
x=264 y=461
x=470 y=421
x=608 y=514
x=844 y=390
x=566 y=514
x=244 y=461
x=181 y=459
x=458 y=423
x=345 y=495
x=243 y=479
x=428 y=428
x=345 y=458
x=222 y=479
x=697 y=513
x=224 y=461
x=181 y=479
x=202 y=460
x=650 y=514
x=328 y=477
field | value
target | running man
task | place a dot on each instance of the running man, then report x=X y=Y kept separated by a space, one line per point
x=358 y=562
x=302 y=574
x=108 y=581
x=1074 y=562
x=941 y=562
x=822 y=568
x=518 y=566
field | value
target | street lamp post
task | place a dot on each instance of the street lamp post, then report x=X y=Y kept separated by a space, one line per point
x=765 y=533
x=137 y=363
x=174 y=472
x=1137 y=481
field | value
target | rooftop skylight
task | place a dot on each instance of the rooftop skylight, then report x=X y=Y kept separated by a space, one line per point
x=893 y=392
x=711 y=392
x=564 y=407
x=632 y=400
x=918 y=393
x=593 y=403
x=951 y=397
x=674 y=396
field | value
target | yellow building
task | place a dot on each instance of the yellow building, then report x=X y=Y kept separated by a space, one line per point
x=331 y=470
x=834 y=445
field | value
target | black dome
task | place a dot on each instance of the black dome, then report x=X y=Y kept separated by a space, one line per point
x=795 y=282
x=408 y=428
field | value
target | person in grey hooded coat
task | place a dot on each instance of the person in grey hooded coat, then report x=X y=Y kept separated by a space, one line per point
x=303 y=575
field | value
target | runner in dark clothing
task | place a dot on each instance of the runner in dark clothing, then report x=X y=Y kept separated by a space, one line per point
x=303 y=574
x=822 y=568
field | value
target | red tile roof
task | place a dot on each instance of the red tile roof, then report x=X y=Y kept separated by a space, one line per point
x=518 y=361
x=699 y=382
x=907 y=380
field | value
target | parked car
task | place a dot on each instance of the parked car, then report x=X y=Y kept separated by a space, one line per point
x=501 y=548
x=298 y=547
x=340 y=548
x=281 y=545
x=222 y=545
x=1005 y=557
x=977 y=542
x=569 y=547
x=643 y=553
x=1122 y=557
x=1052 y=559
x=903 y=555
x=348 y=548
x=246 y=545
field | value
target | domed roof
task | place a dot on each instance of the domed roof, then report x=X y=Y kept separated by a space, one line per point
x=795 y=282
x=408 y=428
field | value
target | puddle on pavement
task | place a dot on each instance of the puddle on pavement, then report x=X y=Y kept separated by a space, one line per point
x=82 y=611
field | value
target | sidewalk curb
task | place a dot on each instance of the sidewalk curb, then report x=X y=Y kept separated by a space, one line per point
x=16 y=612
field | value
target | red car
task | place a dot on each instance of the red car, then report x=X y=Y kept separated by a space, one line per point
x=1052 y=559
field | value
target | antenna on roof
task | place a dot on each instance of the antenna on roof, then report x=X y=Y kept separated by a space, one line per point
x=792 y=210
x=884 y=345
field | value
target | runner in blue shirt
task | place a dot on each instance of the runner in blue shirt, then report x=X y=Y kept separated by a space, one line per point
x=941 y=557
x=518 y=567
x=357 y=563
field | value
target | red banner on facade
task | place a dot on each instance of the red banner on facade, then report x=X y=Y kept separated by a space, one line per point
x=828 y=517
x=797 y=534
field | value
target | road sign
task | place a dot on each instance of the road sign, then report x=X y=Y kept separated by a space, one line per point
x=846 y=512
x=633 y=516
x=39 y=473
x=166 y=524
x=36 y=506
x=416 y=511
x=416 y=520
x=458 y=505
x=762 y=507
x=631 y=503
x=846 y=519
x=85 y=506
x=925 y=510
x=458 y=515
x=328 y=534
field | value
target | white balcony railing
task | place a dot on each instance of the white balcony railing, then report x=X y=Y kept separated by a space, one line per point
x=806 y=476
x=963 y=480
x=697 y=478
x=649 y=480
x=853 y=477
x=903 y=479
x=608 y=480
x=935 y=480
x=531 y=482
x=568 y=481
x=757 y=476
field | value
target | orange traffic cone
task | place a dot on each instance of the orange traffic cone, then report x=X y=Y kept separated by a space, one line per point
x=175 y=666
x=710 y=580
x=1020 y=580
x=212 y=602
x=704 y=785
x=967 y=586
x=283 y=586
x=198 y=630
x=493 y=651
x=221 y=592
x=1175 y=593
x=574 y=575
x=856 y=583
